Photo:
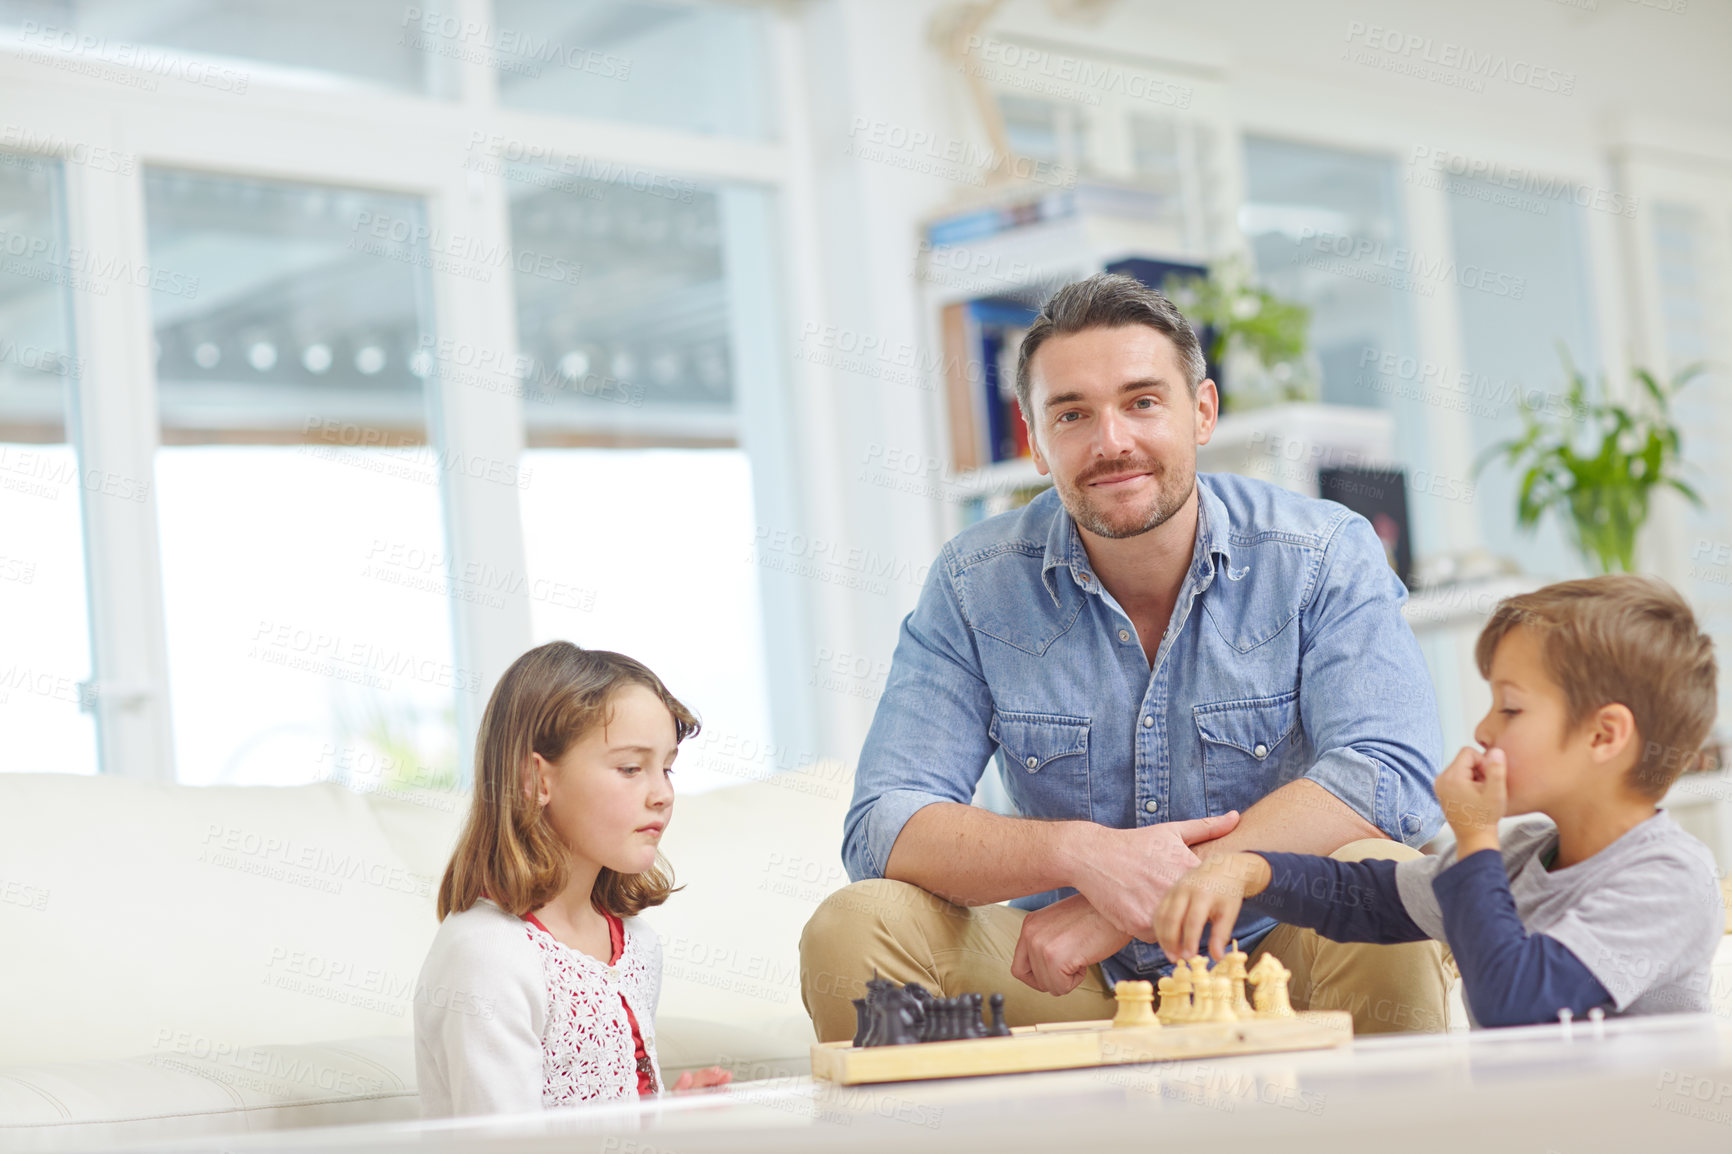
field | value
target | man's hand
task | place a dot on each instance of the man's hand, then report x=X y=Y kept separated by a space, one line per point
x=703 y=1079
x=1474 y=793
x=1124 y=873
x=1209 y=895
x=1058 y=944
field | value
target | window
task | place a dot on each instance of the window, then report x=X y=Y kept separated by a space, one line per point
x=328 y=569
x=42 y=585
x=629 y=313
x=1325 y=231
x=622 y=308
x=644 y=551
x=1522 y=285
x=226 y=48
x=1046 y=131
x=1691 y=263
x=699 y=68
x=303 y=551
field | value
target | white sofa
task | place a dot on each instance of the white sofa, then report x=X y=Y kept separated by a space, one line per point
x=179 y=960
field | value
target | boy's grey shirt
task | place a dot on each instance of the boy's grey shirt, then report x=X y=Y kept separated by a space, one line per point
x=1644 y=915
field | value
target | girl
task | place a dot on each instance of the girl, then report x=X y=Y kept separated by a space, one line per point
x=541 y=985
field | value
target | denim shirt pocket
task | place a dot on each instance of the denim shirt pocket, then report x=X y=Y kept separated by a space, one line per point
x=1245 y=748
x=1045 y=762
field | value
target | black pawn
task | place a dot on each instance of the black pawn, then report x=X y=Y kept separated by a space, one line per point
x=999 y=1029
x=936 y=1017
x=976 y=1023
x=952 y=1019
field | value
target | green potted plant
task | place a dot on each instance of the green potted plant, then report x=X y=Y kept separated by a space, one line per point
x=1596 y=464
x=1258 y=337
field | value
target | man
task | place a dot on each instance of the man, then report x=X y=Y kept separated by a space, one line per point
x=1168 y=667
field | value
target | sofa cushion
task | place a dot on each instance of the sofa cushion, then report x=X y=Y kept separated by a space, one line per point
x=238 y=916
x=755 y=860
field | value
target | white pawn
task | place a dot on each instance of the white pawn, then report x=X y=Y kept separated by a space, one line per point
x=1168 y=1011
x=1134 y=1000
x=1177 y=1002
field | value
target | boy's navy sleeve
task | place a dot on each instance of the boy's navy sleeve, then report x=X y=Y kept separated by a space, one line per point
x=1345 y=901
x=1509 y=976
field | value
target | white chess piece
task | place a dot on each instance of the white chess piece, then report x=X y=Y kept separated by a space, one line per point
x=1269 y=977
x=1183 y=1006
x=1168 y=1013
x=1234 y=965
x=1134 y=1000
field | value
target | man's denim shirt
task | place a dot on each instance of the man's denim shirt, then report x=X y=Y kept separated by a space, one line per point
x=1287 y=657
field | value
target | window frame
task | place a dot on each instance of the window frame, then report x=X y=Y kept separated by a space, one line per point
x=412 y=145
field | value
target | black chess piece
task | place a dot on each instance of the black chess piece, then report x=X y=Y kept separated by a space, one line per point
x=859 y=1021
x=975 y=1021
x=890 y=1015
x=877 y=990
x=998 y=1029
x=899 y=1020
x=922 y=1006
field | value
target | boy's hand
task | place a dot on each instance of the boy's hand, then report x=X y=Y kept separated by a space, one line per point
x=1211 y=894
x=1124 y=873
x=703 y=1079
x=1474 y=794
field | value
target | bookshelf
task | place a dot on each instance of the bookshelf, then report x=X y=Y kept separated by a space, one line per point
x=985 y=271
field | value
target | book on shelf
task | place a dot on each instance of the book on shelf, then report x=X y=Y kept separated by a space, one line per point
x=981 y=341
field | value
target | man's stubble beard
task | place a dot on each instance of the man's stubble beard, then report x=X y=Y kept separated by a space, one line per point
x=1171 y=493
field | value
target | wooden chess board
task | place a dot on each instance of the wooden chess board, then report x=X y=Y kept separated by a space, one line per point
x=1077 y=1045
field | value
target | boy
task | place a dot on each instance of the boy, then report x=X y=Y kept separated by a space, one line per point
x=1602 y=693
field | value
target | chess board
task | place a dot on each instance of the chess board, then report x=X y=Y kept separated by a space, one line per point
x=1077 y=1045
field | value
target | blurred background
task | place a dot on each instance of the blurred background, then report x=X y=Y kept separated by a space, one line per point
x=348 y=348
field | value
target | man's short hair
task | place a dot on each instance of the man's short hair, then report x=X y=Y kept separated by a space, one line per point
x=1107 y=301
x=1627 y=640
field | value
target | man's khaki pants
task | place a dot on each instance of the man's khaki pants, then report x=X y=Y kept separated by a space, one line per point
x=901 y=932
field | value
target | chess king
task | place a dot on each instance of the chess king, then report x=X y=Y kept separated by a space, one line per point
x=1167 y=666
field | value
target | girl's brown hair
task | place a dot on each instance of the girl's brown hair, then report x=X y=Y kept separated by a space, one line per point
x=547 y=700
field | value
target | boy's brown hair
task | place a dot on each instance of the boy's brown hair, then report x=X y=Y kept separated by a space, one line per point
x=546 y=701
x=1627 y=640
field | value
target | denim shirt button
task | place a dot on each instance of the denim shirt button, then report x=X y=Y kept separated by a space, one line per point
x=1124 y=635
x=1148 y=722
x=1151 y=805
x=1032 y=762
x=1260 y=751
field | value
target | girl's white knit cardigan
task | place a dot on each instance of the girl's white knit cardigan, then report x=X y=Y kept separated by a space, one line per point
x=509 y=1019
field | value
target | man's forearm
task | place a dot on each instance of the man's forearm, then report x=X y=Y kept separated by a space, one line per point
x=972 y=857
x=1300 y=817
